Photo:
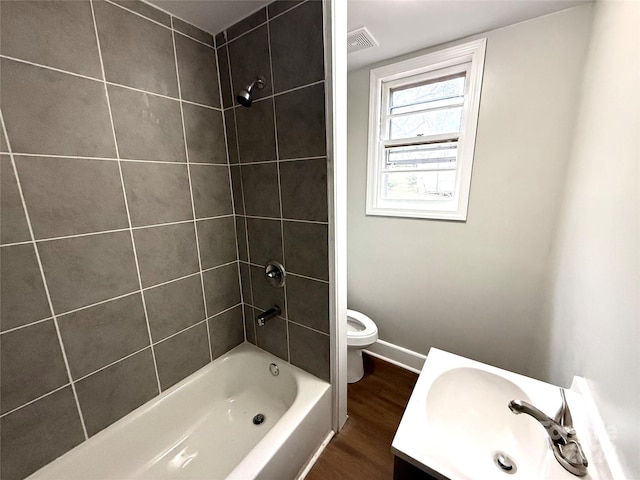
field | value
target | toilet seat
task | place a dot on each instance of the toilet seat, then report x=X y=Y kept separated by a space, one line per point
x=361 y=330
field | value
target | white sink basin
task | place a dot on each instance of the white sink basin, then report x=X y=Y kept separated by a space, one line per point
x=466 y=411
x=458 y=421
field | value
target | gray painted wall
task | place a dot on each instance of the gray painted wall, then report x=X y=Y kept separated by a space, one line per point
x=594 y=314
x=476 y=288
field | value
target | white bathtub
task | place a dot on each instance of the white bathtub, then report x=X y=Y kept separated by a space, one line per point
x=202 y=428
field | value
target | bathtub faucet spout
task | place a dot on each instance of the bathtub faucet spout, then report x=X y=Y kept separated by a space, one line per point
x=264 y=316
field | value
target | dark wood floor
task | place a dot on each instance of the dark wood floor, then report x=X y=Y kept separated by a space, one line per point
x=362 y=450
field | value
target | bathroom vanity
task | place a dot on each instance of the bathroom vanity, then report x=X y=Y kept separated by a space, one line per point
x=467 y=421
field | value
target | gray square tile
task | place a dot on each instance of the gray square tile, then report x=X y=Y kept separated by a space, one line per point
x=308 y=302
x=147 y=127
x=22 y=293
x=38 y=434
x=192 y=31
x=225 y=79
x=264 y=295
x=249 y=58
x=136 y=52
x=13 y=223
x=265 y=240
x=205 y=134
x=236 y=188
x=3 y=143
x=304 y=189
x=174 y=306
x=279 y=6
x=306 y=249
x=232 y=138
x=310 y=351
x=100 y=335
x=226 y=331
x=221 y=288
x=217 y=239
x=247 y=24
x=157 y=192
x=57 y=34
x=272 y=337
x=85 y=270
x=146 y=10
x=32 y=364
x=260 y=187
x=166 y=253
x=68 y=196
x=256 y=132
x=211 y=190
x=297 y=48
x=54 y=113
x=245 y=283
x=249 y=324
x=198 y=72
x=241 y=232
x=180 y=356
x=108 y=395
x=301 y=123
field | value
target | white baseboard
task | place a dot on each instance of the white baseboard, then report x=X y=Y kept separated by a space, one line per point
x=400 y=356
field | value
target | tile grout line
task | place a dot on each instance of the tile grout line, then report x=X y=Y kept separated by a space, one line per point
x=193 y=206
x=268 y=19
x=284 y=92
x=171 y=16
x=20 y=327
x=275 y=133
x=233 y=200
x=9 y=412
x=291 y=273
x=244 y=203
x=296 y=220
x=43 y=277
x=114 y=84
x=107 y=159
x=126 y=202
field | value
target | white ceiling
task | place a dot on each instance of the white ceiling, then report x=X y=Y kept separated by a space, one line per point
x=403 y=26
x=211 y=15
x=399 y=26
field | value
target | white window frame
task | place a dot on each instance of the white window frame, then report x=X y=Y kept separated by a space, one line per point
x=469 y=57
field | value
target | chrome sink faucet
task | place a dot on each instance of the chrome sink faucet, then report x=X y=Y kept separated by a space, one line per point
x=562 y=435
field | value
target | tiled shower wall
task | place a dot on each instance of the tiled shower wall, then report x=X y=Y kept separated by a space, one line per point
x=278 y=152
x=119 y=269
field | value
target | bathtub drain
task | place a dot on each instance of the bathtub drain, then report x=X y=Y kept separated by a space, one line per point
x=259 y=419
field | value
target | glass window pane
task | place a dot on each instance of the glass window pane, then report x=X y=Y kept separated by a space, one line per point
x=445 y=102
x=427 y=92
x=433 y=185
x=426 y=123
x=433 y=156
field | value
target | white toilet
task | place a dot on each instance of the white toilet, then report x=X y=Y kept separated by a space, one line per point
x=361 y=333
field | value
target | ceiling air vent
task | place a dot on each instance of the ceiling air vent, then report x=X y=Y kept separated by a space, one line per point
x=359 y=39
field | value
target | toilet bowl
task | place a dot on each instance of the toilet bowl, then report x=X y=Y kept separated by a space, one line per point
x=361 y=333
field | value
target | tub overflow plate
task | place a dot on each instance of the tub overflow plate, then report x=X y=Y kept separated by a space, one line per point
x=259 y=419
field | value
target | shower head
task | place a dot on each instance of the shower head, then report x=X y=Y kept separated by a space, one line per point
x=244 y=97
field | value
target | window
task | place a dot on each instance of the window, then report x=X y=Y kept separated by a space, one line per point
x=422 y=126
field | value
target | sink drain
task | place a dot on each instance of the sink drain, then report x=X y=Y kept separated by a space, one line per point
x=504 y=462
x=259 y=419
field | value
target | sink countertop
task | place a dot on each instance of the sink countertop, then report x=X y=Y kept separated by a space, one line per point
x=458 y=417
